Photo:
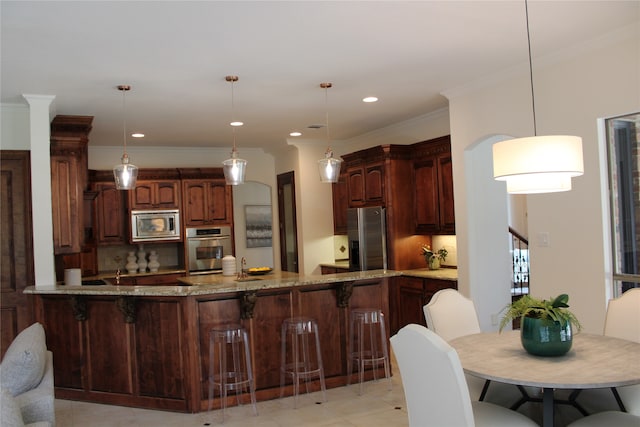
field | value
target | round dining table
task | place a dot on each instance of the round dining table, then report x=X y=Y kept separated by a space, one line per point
x=594 y=361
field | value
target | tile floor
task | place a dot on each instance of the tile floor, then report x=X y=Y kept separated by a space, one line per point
x=377 y=406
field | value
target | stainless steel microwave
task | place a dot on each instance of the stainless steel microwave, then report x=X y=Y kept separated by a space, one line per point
x=147 y=226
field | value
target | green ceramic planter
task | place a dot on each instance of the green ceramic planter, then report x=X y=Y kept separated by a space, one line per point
x=542 y=337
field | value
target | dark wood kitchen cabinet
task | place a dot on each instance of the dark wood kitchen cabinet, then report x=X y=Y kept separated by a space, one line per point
x=365 y=182
x=433 y=187
x=155 y=194
x=68 y=150
x=207 y=199
x=340 y=196
x=408 y=297
x=110 y=225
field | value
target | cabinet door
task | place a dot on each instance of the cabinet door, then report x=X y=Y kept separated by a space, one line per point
x=155 y=195
x=195 y=211
x=110 y=212
x=218 y=198
x=167 y=195
x=426 y=195
x=355 y=182
x=409 y=301
x=141 y=197
x=431 y=286
x=340 y=193
x=207 y=202
x=374 y=184
x=445 y=194
x=66 y=203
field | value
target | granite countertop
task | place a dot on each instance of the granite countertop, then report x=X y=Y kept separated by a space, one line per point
x=214 y=284
x=440 y=274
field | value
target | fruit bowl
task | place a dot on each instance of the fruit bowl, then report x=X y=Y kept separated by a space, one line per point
x=259 y=271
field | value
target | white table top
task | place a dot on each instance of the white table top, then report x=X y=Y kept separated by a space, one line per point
x=594 y=361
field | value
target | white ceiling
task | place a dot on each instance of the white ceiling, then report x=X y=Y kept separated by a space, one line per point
x=175 y=54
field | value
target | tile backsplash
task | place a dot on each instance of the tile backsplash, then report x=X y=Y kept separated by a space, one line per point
x=449 y=243
x=340 y=247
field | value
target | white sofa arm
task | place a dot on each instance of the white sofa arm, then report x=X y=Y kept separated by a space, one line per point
x=38 y=404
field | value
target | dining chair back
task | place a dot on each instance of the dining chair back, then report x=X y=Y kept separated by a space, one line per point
x=451 y=315
x=623 y=316
x=623 y=321
x=435 y=388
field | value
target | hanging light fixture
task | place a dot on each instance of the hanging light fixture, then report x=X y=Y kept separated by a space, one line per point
x=234 y=168
x=125 y=173
x=329 y=167
x=537 y=164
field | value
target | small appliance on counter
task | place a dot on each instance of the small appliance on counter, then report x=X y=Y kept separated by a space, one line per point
x=366 y=232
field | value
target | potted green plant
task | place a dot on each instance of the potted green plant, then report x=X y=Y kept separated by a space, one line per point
x=434 y=259
x=546 y=325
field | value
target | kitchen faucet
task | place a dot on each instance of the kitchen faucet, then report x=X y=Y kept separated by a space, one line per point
x=243 y=272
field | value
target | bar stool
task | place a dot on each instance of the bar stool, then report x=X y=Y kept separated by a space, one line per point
x=301 y=363
x=229 y=344
x=367 y=344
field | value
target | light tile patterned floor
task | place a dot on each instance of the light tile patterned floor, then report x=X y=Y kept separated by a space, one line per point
x=377 y=406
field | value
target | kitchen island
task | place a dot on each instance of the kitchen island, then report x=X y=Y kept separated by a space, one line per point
x=147 y=346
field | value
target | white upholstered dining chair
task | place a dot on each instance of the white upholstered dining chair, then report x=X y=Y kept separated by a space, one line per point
x=451 y=315
x=435 y=388
x=622 y=321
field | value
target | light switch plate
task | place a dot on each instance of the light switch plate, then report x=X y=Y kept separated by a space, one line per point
x=543 y=239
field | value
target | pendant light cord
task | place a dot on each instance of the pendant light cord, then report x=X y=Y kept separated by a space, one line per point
x=533 y=98
x=326 y=87
x=124 y=122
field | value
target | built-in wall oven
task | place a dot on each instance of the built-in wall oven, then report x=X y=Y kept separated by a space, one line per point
x=206 y=247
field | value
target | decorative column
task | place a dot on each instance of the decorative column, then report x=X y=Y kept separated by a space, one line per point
x=39 y=127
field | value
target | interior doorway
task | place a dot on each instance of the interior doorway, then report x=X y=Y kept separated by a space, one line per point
x=287 y=222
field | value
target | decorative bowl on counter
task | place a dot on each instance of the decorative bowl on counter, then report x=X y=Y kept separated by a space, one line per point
x=258 y=271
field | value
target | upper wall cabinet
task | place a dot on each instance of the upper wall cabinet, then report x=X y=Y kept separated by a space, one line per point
x=433 y=187
x=69 y=139
x=365 y=178
x=340 y=203
x=110 y=211
x=157 y=189
x=207 y=199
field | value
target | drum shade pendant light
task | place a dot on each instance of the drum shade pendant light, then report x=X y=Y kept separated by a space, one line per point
x=537 y=164
x=125 y=173
x=234 y=168
x=329 y=167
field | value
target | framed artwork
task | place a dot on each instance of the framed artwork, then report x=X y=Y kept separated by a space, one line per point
x=258 y=224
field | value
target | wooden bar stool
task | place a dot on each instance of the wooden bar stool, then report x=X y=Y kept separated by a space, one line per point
x=367 y=344
x=230 y=365
x=298 y=357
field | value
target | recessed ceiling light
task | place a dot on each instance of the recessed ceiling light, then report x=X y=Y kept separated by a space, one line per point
x=137 y=135
x=296 y=133
x=236 y=123
x=370 y=99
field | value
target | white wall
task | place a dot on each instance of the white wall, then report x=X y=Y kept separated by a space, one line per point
x=572 y=89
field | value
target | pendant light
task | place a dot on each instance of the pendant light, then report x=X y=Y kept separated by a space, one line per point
x=329 y=167
x=537 y=164
x=234 y=168
x=125 y=173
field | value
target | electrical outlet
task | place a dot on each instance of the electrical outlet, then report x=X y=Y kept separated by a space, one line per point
x=494 y=319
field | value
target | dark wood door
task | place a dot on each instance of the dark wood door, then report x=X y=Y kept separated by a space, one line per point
x=287 y=222
x=16 y=269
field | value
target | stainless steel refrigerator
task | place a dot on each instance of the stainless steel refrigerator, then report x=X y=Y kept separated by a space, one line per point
x=367 y=234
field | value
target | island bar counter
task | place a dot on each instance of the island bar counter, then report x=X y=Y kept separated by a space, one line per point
x=148 y=346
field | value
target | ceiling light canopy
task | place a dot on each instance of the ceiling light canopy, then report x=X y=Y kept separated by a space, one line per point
x=234 y=168
x=537 y=164
x=329 y=167
x=125 y=174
